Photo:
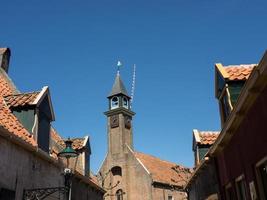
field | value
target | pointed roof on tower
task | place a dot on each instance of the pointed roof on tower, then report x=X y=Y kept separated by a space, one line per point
x=118 y=87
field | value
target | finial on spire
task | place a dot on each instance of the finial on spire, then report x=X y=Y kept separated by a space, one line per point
x=119 y=65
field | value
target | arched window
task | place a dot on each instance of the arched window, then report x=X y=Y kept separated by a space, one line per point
x=114 y=102
x=116 y=171
x=125 y=102
x=119 y=194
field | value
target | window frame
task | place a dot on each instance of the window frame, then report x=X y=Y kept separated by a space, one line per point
x=241 y=179
x=169 y=195
x=127 y=101
x=227 y=188
x=260 y=188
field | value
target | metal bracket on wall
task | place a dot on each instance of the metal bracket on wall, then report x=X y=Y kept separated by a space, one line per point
x=42 y=193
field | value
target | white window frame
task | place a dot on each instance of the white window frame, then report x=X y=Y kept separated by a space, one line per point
x=240 y=179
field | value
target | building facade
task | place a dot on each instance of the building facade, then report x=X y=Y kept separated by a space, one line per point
x=203 y=184
x=240 y=151
x=129 y=175
x=238 y=157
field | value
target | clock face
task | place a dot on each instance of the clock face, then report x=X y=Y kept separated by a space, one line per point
x=127 y=120
x=114 y=121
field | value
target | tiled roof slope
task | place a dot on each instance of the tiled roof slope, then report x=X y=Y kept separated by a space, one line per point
x=21 y=99
x=163 y=171
x=208 y=137
x=7 y=119
x=239 y=72
x=2 y=50
x=236 y=72
x=78 y=143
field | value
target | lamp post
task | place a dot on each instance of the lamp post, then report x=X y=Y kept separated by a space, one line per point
x=71 y=160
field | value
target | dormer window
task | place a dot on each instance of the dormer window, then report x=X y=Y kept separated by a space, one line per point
x=35 y=112
x=125 y=102
x=114 y=102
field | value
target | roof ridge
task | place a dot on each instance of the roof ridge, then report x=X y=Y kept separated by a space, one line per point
x=163 y=160
x=241 y=65
x=22 y=93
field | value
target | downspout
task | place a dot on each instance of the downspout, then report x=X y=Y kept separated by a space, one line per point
x=35 y=125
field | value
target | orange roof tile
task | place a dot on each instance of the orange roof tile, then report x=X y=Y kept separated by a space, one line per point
x=208 y=137
x=21 y=99
x=7 y=119
x=236 y=72
x=78 y=143
x=164 y=171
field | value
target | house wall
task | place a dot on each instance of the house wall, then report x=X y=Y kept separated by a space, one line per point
x=21 y=169
x=246 y=148
x=162 y=193
x=205 y=184
x=135 y=181
x=82 y=191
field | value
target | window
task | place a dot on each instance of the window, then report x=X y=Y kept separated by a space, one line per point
x=262 y=178
x=119 y=195
x=170 y=197
x=114 y=102
x=229 y=192
x=116 y=171
x=7 y=194
x=125 y=102
x=241 y=188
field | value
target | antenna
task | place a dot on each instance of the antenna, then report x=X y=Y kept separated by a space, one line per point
x=133 y=85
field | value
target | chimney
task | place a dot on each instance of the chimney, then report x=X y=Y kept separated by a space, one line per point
x=4 y=58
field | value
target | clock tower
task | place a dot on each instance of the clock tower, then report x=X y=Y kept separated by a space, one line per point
x=119 y=120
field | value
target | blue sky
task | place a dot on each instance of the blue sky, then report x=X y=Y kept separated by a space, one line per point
x=73 y=47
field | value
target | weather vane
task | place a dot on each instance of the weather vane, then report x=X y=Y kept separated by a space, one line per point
x=119 y=65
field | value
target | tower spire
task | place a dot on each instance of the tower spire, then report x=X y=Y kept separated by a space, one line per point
x=118 y=86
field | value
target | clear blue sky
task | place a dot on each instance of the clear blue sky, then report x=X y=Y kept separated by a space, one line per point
x=73 y=47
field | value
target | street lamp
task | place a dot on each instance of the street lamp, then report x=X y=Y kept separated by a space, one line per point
x=71 y=157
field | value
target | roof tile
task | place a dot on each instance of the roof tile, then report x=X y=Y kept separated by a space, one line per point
x=239 y=72
x=164 y=171
x=21 y=99
x=7 y=119
x=208 y=137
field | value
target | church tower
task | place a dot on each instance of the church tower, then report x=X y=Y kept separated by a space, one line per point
x=119 y=119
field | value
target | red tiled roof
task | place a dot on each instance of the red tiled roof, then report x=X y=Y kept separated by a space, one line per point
x=239 y=72
x=78 y=143
x=7 y=119
x=236 y=72
x=208 y=137
x=163 y=171
x=21 y=99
